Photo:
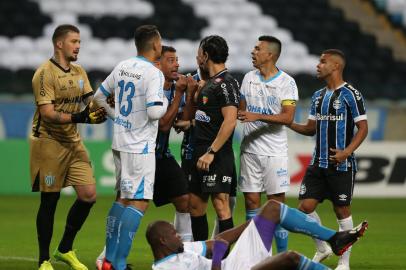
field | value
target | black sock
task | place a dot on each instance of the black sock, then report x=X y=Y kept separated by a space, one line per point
x=45 y=223
x=200 y=228
x=76 y=217
x=226 y=224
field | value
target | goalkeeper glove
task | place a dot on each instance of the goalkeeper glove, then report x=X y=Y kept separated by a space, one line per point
x=96 y=117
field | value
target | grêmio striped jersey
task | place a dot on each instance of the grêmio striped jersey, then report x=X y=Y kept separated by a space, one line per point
x=335 y=113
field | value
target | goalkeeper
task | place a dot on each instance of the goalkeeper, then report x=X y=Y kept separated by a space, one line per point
x=58 y=157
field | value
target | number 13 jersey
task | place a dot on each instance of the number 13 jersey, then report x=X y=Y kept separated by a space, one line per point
x=136 y=84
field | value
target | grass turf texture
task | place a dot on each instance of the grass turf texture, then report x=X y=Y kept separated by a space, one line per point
x=383 y=247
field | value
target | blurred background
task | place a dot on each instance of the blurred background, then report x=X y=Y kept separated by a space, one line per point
x=372 y=34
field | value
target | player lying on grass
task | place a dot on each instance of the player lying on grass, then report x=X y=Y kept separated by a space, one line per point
x=253 y=243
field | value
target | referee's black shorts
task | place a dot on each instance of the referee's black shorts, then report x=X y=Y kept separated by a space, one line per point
x=170 y=181
x=221 y=177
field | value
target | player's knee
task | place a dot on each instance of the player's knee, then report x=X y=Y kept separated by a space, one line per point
x=306 y=208
x=292 y=257
x=181 y=203
x=88 y=196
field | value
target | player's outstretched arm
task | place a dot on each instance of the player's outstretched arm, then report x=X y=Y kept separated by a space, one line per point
x=48 y=114
x=101 y=100
x=308 y=129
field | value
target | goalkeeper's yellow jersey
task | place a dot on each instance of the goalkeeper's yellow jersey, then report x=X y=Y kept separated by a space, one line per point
x=66 y=89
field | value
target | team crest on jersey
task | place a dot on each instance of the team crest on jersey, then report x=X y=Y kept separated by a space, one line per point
x=337 y=104
x=81 y=84
x=205 y=100
x=49 y=179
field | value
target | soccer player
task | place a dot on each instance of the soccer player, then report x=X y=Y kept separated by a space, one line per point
x=137 y=86
x=268 y=99
x=215 y=118
x=335 y=111
x=186 y=124
x=58 y=157
x=170 y=182
x=253 y=243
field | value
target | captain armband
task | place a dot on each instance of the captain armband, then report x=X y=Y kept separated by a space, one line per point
x=288 y=102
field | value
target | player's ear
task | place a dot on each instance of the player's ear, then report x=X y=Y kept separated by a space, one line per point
x=59 y=44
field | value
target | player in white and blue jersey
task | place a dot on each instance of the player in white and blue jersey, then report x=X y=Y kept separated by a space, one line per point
x=268 y=102
x=253 y=243
x=137 y=86
x=335 y=111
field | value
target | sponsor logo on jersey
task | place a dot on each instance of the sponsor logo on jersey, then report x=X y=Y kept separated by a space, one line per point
x=70 y=84
x=126 y=73
x=337 y=104
x=257 y=109
x=205 y=99
x=49 y=179
x=122 y=122
x=272 y=100
x=77 y=99
x=63 y=88
x=329 y=117
x=202 y=117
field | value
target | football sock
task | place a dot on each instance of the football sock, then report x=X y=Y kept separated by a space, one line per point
x=250 y=213
x=345 y=224
x=226 y=224
x=113 y=220
x=297 y=221
x=200 y=228
x=183 y=226
x=76 y=217
x=45 y=223
x=307 y=264
x=232 y=201
x=281 y=238
x=321 y=245
x=266 y=229
x=129 y=222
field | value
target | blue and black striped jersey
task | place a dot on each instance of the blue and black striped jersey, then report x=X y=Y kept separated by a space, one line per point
x=335 y=113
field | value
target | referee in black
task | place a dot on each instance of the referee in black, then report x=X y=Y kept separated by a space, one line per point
x=216 y=118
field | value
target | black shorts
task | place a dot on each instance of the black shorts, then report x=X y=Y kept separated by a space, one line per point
x=170 y=181
x=221 y=177
x=320 y=183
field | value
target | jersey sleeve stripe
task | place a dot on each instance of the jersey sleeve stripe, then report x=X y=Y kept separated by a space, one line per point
x=155 y=103
x=104 y=91
x=87 y=95
x=360 y=118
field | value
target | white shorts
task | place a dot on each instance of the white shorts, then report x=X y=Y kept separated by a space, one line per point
x=135 y=175
x=263 y=174
x=248 y=250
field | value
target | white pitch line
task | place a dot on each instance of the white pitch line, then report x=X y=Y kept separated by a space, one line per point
x=26 y=259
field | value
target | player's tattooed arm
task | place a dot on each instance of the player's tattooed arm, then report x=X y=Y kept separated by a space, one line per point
x=48 y=114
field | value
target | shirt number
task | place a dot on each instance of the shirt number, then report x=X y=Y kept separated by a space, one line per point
x=127 y=90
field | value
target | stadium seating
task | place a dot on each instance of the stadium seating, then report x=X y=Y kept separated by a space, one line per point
x=107 y=29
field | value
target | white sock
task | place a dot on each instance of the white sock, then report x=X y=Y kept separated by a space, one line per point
x=320 y=245
x=183 y=226
x=231 y=202
x=344 y=225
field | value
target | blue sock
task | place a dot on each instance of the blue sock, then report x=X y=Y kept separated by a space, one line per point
x=113 y=219
x=249 y=214
x=297 y=221
x=281 y=238
x=129 y=222
x=307 y=264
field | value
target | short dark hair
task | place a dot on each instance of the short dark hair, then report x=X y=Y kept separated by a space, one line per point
x=167 y=49
x=336 y=52
x=143 y=36
x=62 y=30
x=272 y=39
x=216 y=48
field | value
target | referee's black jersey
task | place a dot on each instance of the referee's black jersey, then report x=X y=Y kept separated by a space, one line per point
x=335 y=113
x=220 y=91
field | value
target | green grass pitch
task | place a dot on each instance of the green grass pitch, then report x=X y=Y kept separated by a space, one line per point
x=383 y=247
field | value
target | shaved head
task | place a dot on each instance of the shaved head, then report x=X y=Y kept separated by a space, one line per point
x=337 y=56
x=156 y=230
x=274 y=46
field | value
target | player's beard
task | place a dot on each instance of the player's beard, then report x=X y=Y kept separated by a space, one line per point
x=72 y=58
x=180 y=249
